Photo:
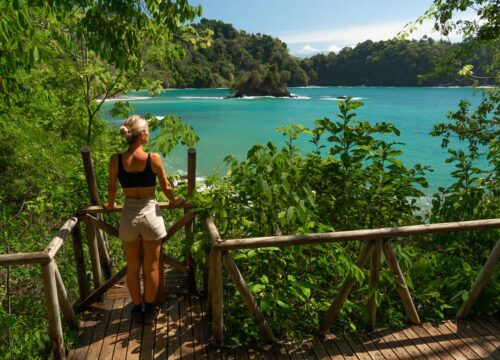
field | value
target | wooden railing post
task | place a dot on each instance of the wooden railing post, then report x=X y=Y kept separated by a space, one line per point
x=217 y=299
x=480 y=282
x=249 y=300
x=83 y=285
x=347 y=286
x=189 y=228
x=102 y=242
x=372 y=290
x=94 y=254
x=62 y=295
x=55 y=327
x=404 y=293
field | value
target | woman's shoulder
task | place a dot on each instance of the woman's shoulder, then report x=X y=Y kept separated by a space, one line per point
x=155 y=156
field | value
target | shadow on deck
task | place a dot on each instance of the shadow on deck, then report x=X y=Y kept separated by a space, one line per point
x=181 y=332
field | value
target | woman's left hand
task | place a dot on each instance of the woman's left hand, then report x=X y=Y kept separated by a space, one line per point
x=109 y=206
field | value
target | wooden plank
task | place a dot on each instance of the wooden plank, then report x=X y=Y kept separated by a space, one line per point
x=187 y=345
x=469 y=331
x=108 y=345
x=174 y=332
x=330 y=342
x=408 y=345
x=353 y=347
x=391 y=342
x=369 y=346
x=382 y=346
x=100 y=330
x=211 y=351
x=148 y=340
x=279 y=351
x=87 y=328
x=468 y=343
x=491 y=324
x=476 y=325
x=122 y=337
x=318 y=349
x=134 y=340
x=439 y=344
x=161 y=334
x=199 y=340
x=420 y=343
x=457 y=342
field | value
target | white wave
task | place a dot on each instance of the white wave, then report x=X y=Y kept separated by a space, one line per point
x=299 y=97
x=128 y=98
x=201 y=97
x=332 y=98
x=308 y=87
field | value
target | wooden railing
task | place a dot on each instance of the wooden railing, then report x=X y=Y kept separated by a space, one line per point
x=376 y=242
x=103 y=275
x=56 y=297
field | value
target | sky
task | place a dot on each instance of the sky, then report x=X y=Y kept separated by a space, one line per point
x=313 y=26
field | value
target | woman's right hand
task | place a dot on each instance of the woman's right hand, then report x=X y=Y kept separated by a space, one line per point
x=177 y=200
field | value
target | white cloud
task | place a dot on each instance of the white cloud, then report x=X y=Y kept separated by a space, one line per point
x=350 y=36
x=333 y=48
x=307 y=50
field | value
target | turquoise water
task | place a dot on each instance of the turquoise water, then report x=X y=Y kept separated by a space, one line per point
x=232 y=126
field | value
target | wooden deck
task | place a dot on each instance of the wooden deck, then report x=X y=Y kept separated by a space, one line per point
x=181 y=332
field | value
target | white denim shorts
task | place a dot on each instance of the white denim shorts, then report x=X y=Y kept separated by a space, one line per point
x=141 y=219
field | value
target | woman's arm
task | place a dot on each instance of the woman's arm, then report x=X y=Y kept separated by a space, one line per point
x=112 y=182
x=165 y=185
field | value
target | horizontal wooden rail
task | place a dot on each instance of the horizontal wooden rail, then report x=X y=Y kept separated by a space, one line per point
x=342 y=236
x=377 y=241
x=94 y=209
x=40 y=257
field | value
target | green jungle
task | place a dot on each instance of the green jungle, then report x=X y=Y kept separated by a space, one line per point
x=60 y=60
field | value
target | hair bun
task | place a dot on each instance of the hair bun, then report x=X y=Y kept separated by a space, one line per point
x=124 y=131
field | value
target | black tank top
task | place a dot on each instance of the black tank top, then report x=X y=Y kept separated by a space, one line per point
x=145 y=178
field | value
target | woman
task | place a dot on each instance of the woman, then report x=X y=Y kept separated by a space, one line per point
x=141 y=224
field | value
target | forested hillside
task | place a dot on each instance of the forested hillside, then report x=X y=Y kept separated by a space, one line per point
x=235 y=53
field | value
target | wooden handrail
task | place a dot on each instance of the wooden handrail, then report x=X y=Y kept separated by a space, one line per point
x=352 y=235
x=39 y=257
x=94 y=209
x=56 y=243
x=378 y=240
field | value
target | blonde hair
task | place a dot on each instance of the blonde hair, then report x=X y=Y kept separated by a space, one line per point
x=132 y=128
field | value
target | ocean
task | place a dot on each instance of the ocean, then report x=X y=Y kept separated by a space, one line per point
x=232 y=126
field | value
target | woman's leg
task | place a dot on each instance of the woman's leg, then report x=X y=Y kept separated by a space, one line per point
x=133 y=254
x=151 y=269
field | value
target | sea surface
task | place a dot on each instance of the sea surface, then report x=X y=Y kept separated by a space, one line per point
x=232 y=126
